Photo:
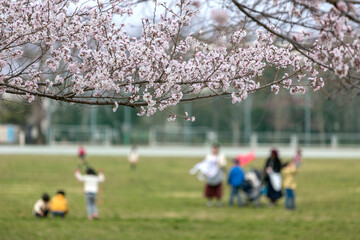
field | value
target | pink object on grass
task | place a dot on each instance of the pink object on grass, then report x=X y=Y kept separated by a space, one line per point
x=245 y=159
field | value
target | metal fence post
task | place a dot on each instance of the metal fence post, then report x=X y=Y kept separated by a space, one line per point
x=294 y=141
x=334 y=141
x=253 y=140
x=152 y=137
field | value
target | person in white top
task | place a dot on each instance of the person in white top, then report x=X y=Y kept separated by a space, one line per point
x=213 y=168
x=133 y=158
x=41 y=207
x=91 y=188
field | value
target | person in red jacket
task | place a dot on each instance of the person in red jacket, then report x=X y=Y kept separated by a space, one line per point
x=81 y=152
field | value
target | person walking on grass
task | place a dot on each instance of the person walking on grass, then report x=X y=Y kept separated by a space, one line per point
x=273 y=177
x=297 y=158
x=289 y=184
x=91 y=188
x=59 y=205
x=235 y=180
x=83 y=163
x=133 y=158
x=81 y=153
x=216 y=163
x=41 y=207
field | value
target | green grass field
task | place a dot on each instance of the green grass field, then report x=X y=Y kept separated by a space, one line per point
x=160 y=200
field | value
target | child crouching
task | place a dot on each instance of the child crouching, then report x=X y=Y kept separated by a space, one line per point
x=59 y=205
x=41 y=207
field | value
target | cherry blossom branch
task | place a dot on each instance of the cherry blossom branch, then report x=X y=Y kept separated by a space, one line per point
x=84 y=55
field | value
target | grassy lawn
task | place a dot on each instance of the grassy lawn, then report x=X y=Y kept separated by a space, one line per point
x=160 y=200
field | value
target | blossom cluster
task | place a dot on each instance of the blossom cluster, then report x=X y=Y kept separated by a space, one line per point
x=327 y=36
x=82 y=54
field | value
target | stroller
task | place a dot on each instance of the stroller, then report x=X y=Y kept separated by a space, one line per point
x=252 y=186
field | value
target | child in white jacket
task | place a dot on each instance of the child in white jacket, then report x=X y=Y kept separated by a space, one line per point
x=41 y=207
x=91 y=188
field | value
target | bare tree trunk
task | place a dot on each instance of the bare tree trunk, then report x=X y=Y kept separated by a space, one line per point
x=36 y=121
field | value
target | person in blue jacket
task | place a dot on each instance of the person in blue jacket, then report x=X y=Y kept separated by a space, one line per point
x=235 y=180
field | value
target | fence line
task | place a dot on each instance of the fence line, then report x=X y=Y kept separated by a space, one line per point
x=187 y=136
x=170 y=152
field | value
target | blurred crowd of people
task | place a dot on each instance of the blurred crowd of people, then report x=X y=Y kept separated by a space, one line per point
x=58 y=205
x=274 y=180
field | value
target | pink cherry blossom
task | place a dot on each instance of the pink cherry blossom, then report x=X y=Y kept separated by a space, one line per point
x=220 y=16
x=341 y=6
x=81 y=53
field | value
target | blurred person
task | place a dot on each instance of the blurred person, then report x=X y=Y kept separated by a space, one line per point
x=272 y=177
x=83 y=164
x=59 y=205
x=214 y=164
x=81 y=152
x=297 y=158
x=235 y=180
x=41 y=206
x=133 y=157
x=91 y=188
x=289 y=184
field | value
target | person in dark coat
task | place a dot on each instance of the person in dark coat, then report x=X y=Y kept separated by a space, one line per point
x=273 y=164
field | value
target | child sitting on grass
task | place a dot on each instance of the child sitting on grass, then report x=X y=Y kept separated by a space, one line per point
x=58 y=205
x=289 y=184
x=41 y=207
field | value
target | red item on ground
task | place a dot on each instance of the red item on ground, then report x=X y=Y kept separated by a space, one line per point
x=245 y=159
